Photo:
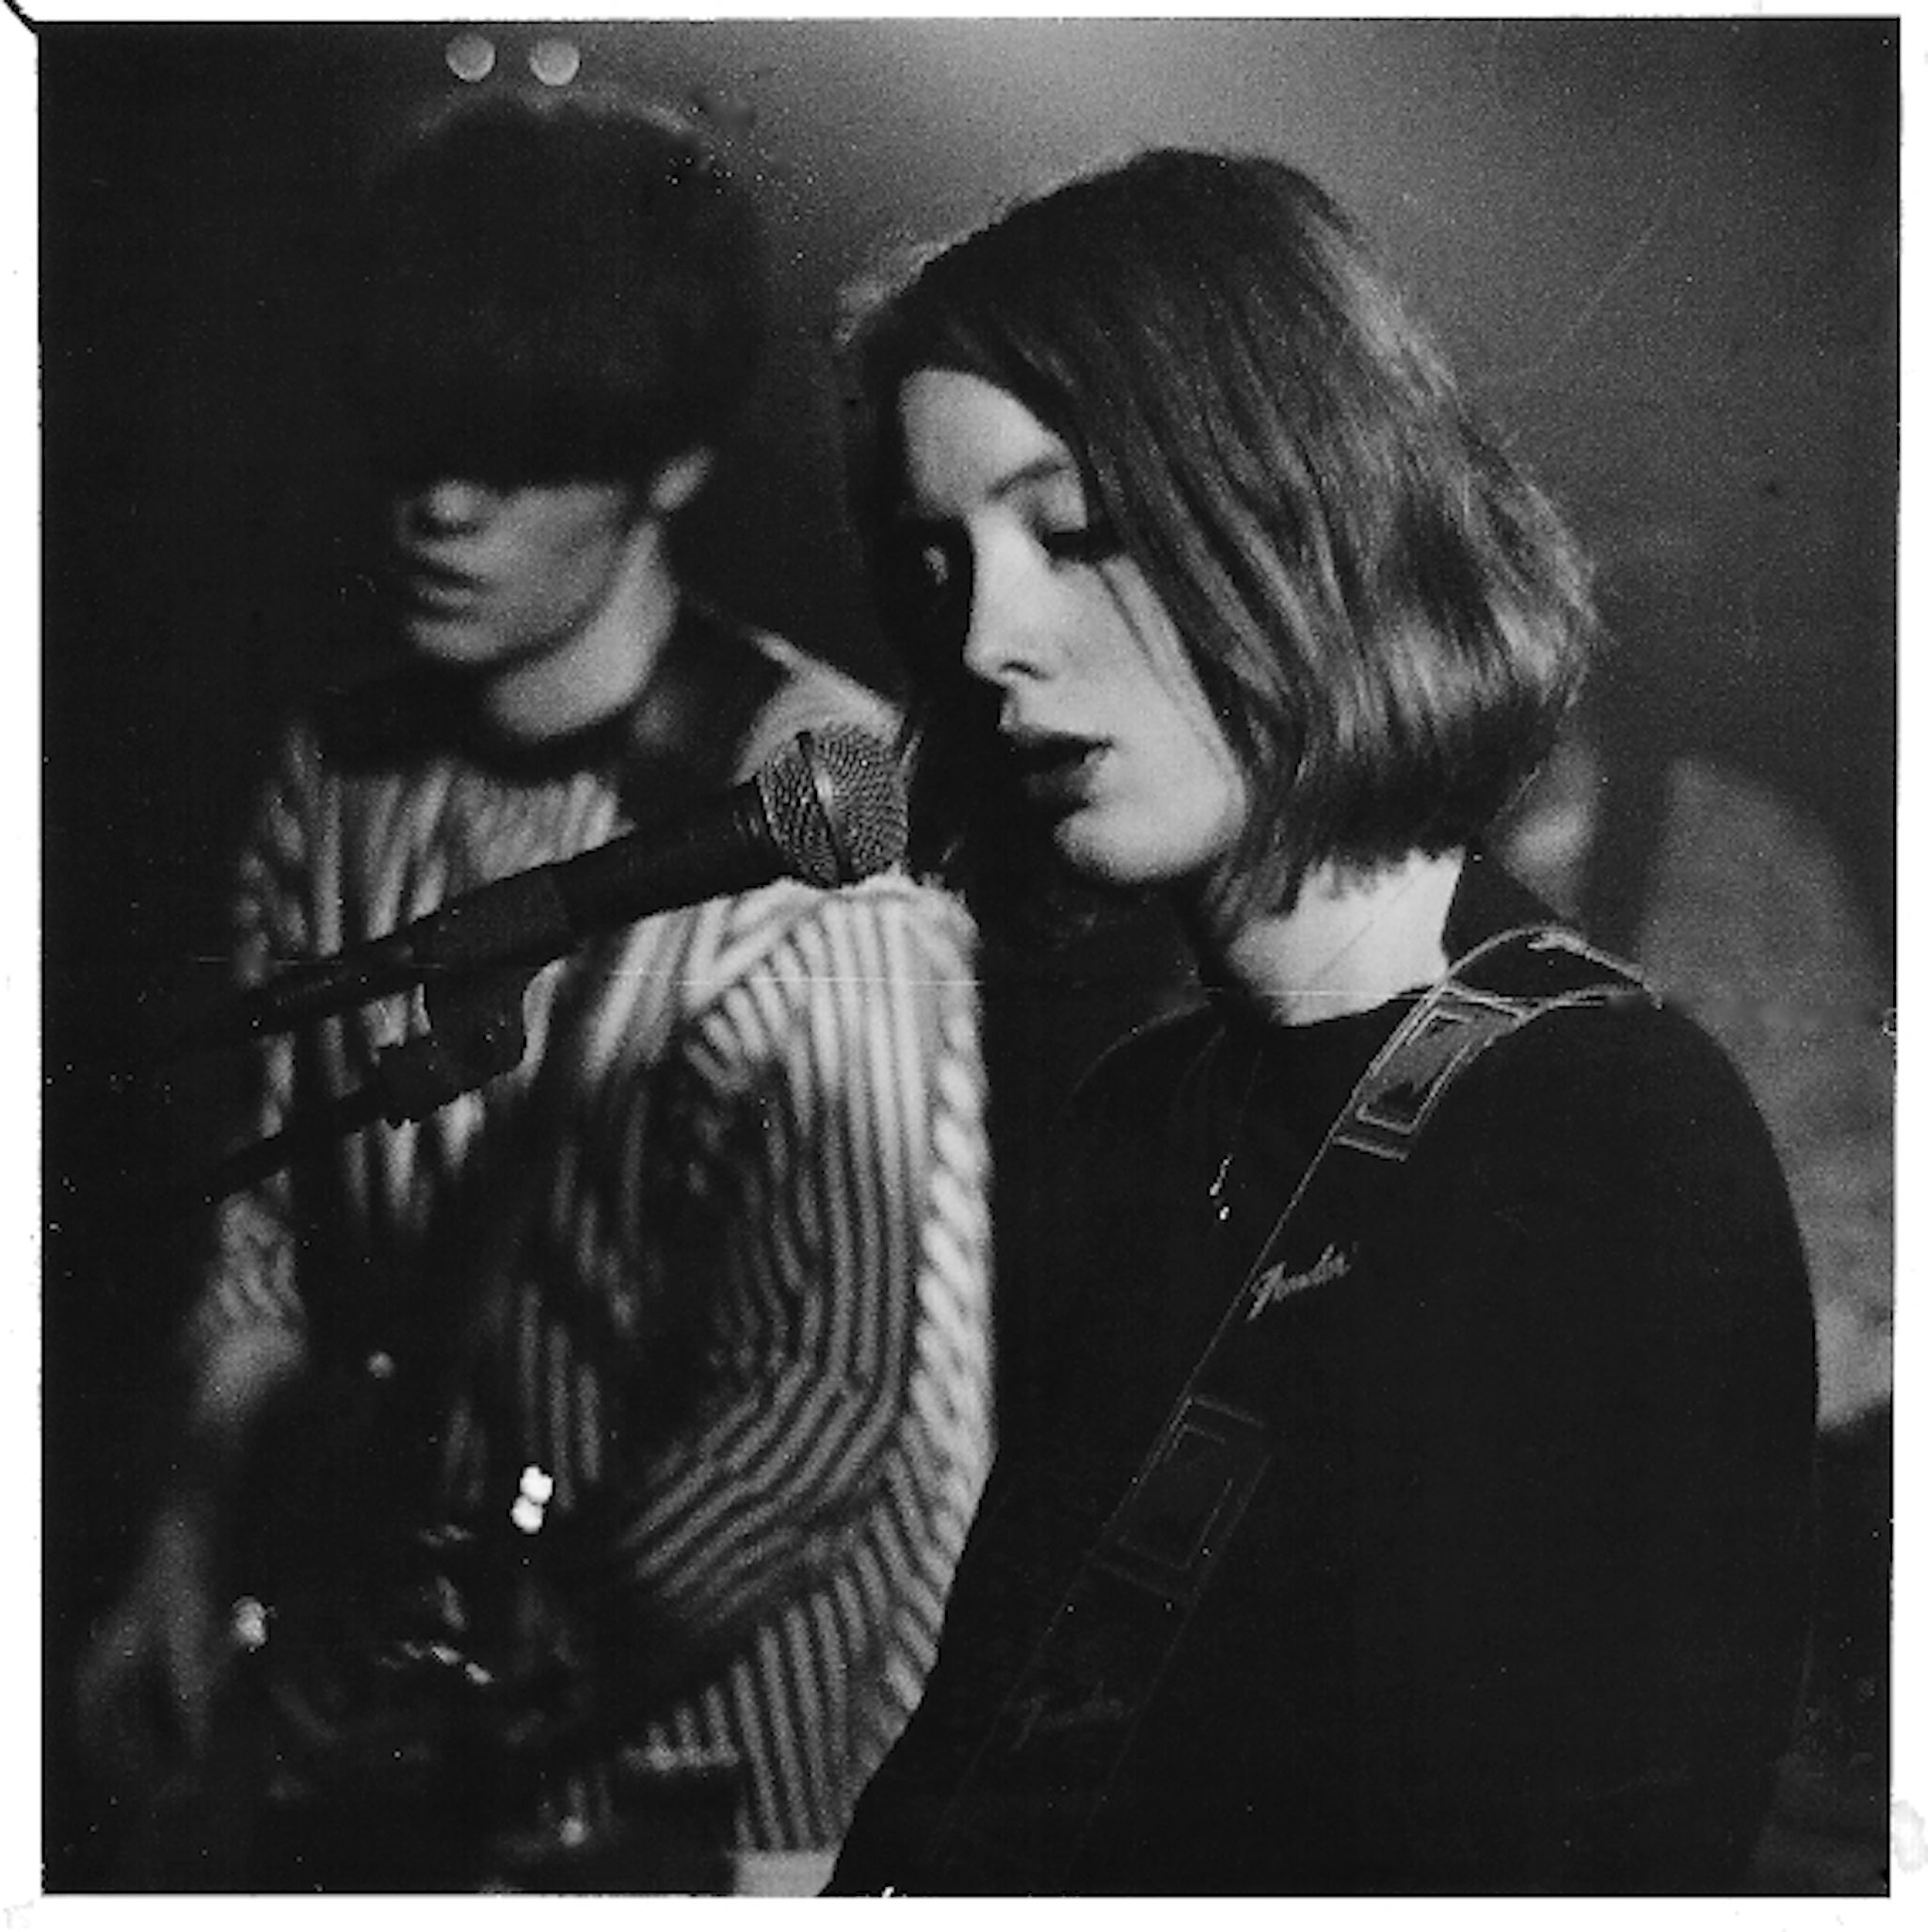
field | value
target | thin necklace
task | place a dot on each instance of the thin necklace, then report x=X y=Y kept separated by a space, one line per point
x=1216 y=1192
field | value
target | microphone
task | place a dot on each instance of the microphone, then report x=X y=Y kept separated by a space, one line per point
x=827 y=809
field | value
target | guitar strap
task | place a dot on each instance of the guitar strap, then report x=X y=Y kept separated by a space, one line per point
x=1024 y=1806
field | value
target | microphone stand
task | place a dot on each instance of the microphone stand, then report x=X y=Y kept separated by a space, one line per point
x=476 y=1031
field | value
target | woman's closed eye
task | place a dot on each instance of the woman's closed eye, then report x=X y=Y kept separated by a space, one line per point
x=1093 y=542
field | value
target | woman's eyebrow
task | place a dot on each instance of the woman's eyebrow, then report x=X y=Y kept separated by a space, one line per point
x=1052 y=467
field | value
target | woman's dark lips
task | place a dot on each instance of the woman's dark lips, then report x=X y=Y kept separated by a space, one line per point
x=1054 y=767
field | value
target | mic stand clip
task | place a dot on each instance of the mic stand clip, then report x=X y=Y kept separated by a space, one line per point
x=476 y=1031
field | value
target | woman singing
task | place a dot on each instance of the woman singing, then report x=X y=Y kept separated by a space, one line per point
x=1404 y=1469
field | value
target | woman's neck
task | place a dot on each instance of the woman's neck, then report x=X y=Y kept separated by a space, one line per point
x=600 y=667
x=1353 y=940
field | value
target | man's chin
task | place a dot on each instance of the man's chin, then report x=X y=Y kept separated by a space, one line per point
x=448 y=643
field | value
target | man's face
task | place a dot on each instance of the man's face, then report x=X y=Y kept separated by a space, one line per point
x=486 y=575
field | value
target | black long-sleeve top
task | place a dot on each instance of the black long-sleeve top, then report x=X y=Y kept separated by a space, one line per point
x=1529 y=1617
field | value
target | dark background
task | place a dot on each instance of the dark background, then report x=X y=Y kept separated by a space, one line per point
x=1664 y=251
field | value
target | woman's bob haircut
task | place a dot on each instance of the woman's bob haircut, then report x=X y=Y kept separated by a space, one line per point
x=1387 y=616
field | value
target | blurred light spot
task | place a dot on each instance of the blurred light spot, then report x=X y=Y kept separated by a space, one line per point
x=554 y=63
x=536 y=1488
x=470 y=56
x=248 y=1624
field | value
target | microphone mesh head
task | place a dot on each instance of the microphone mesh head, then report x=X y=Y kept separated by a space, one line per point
x=836 y=806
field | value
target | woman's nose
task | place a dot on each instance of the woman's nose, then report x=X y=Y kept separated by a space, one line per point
x=1000 y=645
x=448 y=506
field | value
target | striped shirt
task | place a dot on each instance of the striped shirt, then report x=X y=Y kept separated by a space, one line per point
x=714 y=1260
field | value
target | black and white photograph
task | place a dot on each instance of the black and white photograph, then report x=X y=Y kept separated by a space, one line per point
x=969 y=954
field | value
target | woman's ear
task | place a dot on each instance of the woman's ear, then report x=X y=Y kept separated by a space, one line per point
x=679 y=480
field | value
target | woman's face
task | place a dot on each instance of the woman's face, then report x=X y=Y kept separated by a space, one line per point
x=1099 y=706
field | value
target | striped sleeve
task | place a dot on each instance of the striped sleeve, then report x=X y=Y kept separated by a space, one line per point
x=841 y=1164
x=250 y=1278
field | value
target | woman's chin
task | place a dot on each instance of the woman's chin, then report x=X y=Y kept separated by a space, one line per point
x=1104 y=862
x=1104 y=856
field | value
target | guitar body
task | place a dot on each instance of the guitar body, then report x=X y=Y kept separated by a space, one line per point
x=418 y=1705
